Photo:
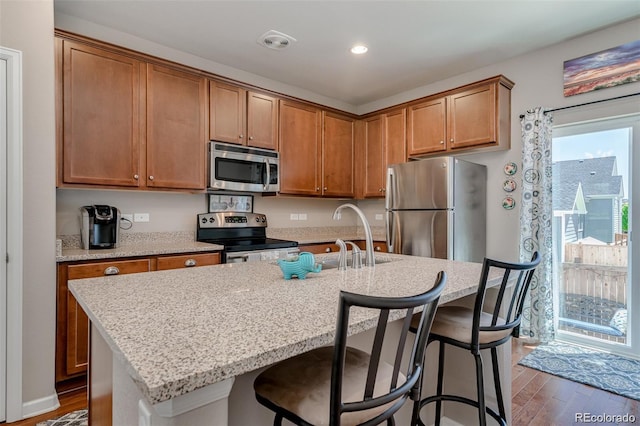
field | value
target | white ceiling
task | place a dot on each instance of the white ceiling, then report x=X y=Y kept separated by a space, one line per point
x=411 y=43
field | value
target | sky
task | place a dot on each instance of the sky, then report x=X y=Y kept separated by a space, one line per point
x=594 y=145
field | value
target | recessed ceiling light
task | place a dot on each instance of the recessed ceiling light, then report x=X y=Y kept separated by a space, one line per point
x=359 y=49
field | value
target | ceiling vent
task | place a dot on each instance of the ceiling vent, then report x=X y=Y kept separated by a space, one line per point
x=275 y=40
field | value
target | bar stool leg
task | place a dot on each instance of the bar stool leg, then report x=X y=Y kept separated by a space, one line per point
x=277 y=420
x=440 y=380
x=496 y=380
x=482 y=414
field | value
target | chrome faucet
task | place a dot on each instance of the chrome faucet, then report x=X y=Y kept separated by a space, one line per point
x=342 y=256
x=369 y=259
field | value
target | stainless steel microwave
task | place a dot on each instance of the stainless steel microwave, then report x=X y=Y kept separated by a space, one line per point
x=240 y=168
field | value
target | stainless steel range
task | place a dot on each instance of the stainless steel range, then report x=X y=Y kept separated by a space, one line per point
x=244 y=237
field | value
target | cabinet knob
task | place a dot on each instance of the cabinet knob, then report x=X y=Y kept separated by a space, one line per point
x=241 y=136
x=325 y=188
x=379 y=189
x=136 y=177
x=190 y=262
x=150 y=177
x=441 y=142
x=317 y=188
x=250 y=138
x=112 y=270
x=377 y=248
x=451 y=140
x=327 y=250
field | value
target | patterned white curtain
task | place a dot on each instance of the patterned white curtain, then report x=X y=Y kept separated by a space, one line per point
x=536 y=216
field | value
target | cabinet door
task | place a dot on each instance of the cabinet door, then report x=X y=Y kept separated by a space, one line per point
x=472 y=117
x=77 y=323
x=227 y=119
x=176 y=140
x=300 y=148
x=101 y=115
x=338 y=144
x=187 y=261
x=262 y=121
x=374 y=156
x=395 y=138
x=426 y=126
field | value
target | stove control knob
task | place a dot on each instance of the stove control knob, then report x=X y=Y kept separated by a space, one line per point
x=264 y=219
x=211 y=220
x=204 y=220
x=258 y=219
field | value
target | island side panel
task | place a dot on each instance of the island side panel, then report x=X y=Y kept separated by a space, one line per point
x=100 y=380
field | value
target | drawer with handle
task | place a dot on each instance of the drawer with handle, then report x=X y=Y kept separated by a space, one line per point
x=187 y=261
x=120 y=267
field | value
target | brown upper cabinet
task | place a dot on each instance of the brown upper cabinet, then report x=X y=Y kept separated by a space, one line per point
x=242 y=117
x=127 y=123
x=101 y=94
x=316 y=151
x=383 y=143
x=338 y=156
x=300 y=148
x=176 y=123
x=472 y=117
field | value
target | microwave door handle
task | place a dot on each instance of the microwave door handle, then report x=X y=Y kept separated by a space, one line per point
x=266 y=184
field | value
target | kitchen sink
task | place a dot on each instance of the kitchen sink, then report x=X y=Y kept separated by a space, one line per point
x=332 y=263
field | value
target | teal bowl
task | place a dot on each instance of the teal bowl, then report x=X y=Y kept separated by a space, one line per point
x=299 y=267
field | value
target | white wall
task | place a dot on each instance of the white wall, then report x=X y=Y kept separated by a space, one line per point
x=28 y=26
x=177 y=211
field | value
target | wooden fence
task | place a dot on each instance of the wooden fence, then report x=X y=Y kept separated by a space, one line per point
x=594 y=278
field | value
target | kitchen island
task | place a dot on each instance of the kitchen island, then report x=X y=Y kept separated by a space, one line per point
x=183 y=346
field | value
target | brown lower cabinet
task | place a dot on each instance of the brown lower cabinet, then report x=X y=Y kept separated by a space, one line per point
x=379 y=246
x=72 y=329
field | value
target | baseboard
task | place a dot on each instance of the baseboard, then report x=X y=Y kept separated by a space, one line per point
x=40 y=406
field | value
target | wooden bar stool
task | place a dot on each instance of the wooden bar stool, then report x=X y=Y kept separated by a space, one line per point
x=342 y=385
x=475 y=329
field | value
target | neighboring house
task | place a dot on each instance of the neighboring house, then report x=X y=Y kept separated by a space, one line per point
x=587 y=199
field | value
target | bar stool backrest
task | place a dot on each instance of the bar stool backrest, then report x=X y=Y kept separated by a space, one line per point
x=407 y=386
x=507 y=311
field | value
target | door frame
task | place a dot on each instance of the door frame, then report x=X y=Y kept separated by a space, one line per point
x=609 y=118
x=12 y=328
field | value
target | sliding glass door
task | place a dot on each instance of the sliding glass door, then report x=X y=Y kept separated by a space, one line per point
x=596 y=177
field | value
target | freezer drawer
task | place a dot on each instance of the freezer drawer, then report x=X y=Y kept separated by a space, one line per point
x=419 y=233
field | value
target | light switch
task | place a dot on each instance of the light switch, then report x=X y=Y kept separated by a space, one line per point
x=294 y=216
x=378 y=216
x=302 y=216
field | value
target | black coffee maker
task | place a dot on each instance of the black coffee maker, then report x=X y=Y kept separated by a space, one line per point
x=100 y=227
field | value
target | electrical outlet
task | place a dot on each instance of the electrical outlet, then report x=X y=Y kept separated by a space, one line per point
x=378 y=216
x=141 y=217
x=128 y=216
x=302 y=216
x=294 y=216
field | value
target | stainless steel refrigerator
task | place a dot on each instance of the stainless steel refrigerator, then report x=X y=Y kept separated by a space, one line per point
x=436 y=207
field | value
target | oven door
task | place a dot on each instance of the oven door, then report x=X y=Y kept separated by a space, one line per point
x=240 y=168
x=260 y=255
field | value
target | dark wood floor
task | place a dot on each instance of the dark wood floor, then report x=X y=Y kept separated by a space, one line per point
x=546 y=400
x=538 y=398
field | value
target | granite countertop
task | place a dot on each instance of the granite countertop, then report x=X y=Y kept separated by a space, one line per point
x=133 y=245
x=154 y=243
x=179 y=330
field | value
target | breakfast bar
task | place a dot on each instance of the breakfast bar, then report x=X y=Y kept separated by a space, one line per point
x=183 y=346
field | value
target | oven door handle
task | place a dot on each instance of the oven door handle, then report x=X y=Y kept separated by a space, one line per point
x=244 y=257
x=266 y=184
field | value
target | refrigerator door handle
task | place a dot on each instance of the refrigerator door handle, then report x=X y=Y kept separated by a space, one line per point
x=388 y=202
x=389 y=231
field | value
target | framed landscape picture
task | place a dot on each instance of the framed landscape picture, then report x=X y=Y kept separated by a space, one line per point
x=607 y=68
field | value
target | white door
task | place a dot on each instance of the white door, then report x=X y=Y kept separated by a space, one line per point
x=596 y=175
x=3 y=239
